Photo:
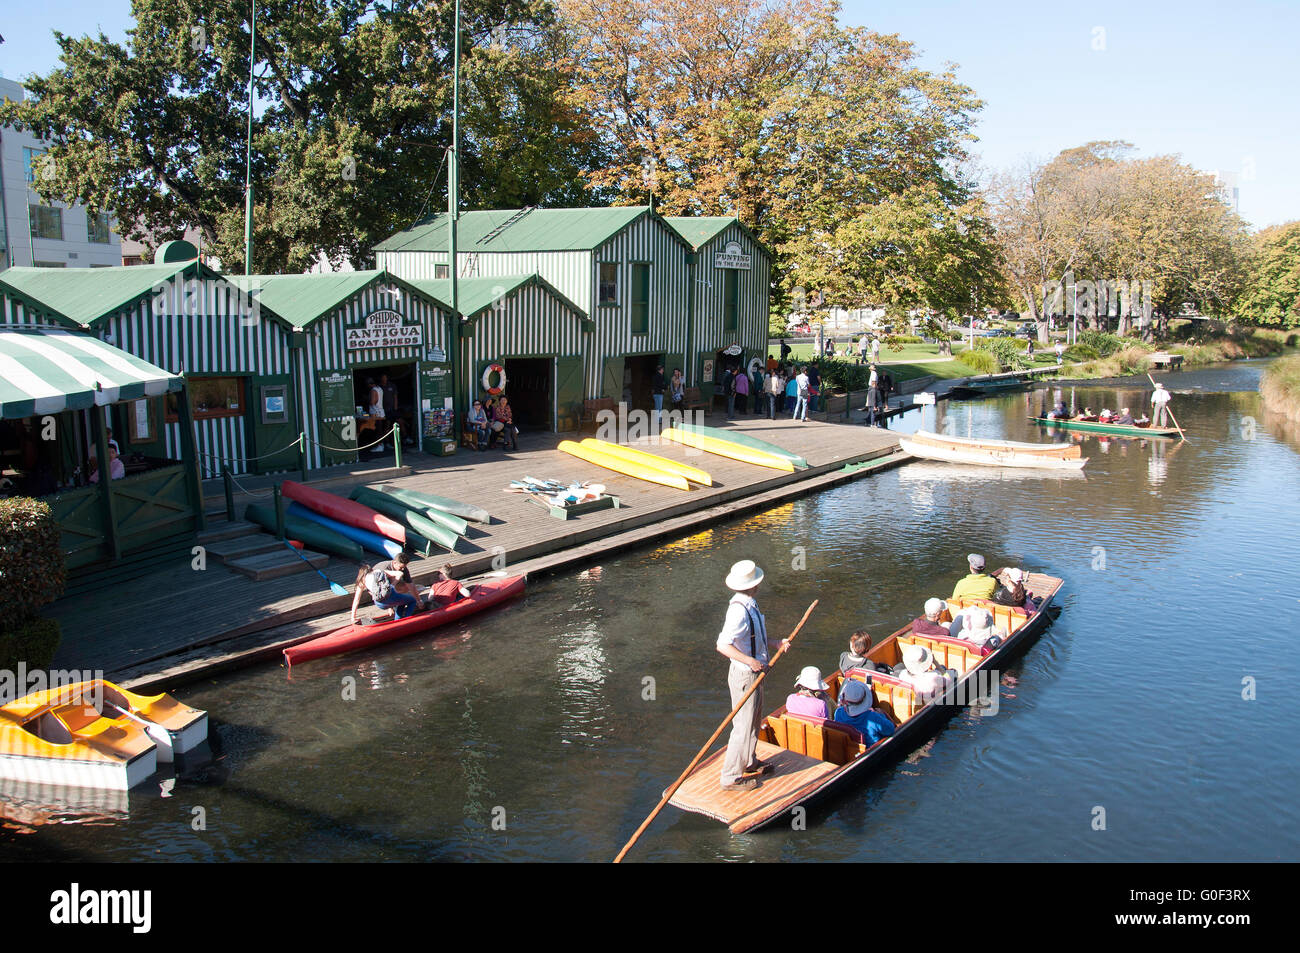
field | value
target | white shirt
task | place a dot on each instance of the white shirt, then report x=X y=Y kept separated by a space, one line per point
x=741 y=611
x=376 y=402
x=1161 y=396
x=801 y=383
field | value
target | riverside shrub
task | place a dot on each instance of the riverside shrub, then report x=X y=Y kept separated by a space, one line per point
x=32 y=574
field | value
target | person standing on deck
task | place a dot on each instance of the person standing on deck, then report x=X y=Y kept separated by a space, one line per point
x=742 y=391
x=743 y=640
x=376 y=409
x=1160 y=401
x=658 y=385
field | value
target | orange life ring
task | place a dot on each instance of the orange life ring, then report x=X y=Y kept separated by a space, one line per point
x=487 y=379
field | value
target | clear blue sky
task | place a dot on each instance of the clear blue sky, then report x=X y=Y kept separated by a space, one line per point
x=1212 y=82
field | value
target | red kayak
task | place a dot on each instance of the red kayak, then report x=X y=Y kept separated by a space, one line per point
x=345 y=511
x=351 y=637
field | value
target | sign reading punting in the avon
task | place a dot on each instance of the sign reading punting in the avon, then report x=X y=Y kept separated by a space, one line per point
x=384 y=328
x=732 y=256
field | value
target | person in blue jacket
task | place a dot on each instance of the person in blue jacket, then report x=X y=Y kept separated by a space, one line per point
x=855 y=709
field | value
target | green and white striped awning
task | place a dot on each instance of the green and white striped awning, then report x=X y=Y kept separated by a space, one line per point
x=46 y=370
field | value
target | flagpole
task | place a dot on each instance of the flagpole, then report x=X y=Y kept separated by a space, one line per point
x=248 y=155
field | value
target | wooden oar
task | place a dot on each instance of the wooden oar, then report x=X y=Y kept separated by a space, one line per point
x=714 y=737
x=1168 y=408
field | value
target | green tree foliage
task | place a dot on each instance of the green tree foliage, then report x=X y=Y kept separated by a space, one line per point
x=352 y=123
x=1272 y=290
x=32 y=574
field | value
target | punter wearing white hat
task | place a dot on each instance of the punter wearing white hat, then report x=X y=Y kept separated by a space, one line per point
x=743 y=639
x=1160 y=400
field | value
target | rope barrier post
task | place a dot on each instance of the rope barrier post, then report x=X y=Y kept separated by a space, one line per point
x=397 y=444
x=302 y=459
x=230 y=494
x=279 y=511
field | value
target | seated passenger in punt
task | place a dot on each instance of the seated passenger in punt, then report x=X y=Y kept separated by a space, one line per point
x=809 y=697
x=919 y=670
x=1059 y=411
x=856 y=656
x=1105 y=417
x=1012 y=592
x=857 y=710
x=977 y=585
x=929 y=624
x=445 y=590
x=977 y=628
x=1125 y=417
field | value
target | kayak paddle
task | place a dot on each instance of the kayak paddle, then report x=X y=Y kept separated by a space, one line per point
x=334 y=586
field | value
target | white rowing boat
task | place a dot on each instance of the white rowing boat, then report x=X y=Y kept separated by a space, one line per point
x=993 y=453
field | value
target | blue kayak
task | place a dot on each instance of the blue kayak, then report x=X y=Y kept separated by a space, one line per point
x=368 y=540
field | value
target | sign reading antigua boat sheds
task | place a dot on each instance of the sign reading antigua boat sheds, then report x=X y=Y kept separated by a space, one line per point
x=732 y=256
x=384 y=329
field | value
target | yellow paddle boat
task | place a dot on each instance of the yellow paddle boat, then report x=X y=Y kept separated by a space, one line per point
x=94 y=734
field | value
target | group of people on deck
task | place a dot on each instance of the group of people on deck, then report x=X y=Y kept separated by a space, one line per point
x=492 y=421
x=392 y=590
x=744 y=641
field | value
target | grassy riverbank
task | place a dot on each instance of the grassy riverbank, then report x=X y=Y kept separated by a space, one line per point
x=1110 y=356
x=1280 y=387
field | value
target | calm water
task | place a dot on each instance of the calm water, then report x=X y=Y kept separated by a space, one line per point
x=1180 y=568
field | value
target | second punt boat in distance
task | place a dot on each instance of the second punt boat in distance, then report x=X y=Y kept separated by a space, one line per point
x=1126 y=430
x=812 y=756
x=993 y=453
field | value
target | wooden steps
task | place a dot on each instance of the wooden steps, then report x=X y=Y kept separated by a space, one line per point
x=241 y=547
x=273 y=564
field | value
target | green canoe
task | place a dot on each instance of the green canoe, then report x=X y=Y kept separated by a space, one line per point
x=743 y=440
x=427 y=501
x=417 y=521
x=311 y=535
x=1127 y=430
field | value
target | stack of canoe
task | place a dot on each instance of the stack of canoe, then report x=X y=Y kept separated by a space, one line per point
x=637 y=463
x=383 y=520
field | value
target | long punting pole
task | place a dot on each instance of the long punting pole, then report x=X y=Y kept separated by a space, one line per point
x=248 y=155
x=712 y=738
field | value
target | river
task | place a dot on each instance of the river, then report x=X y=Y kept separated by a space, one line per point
x=1150 y=722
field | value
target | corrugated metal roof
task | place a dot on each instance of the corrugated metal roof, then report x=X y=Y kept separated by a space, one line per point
x=476 y=295
x=301 y=299
x=700 y=230
x=84 y=295
x=518 y=230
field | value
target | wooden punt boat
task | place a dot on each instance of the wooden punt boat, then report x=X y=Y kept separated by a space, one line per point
x=985 y=388
x=812 y=757
x=745 y=440
x=1127 y=430
x=727 y=448
x=94 y=734
x=349 y=638
x=993 y=453
x=693 y=474
x=632 y=468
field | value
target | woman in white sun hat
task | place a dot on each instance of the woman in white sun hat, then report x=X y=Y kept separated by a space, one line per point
x=743 y=639
x=918 y=669
x=809 y=695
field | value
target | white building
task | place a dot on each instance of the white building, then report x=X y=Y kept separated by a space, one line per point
x=45 y=234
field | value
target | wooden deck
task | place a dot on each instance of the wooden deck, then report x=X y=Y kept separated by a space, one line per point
x=792 y=777
x=175 y=608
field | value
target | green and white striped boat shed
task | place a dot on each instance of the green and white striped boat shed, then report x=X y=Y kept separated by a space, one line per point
x=633 y=274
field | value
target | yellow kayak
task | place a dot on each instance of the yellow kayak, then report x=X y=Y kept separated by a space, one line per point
x=725 y=449
x=694 y=474
x=625 y=467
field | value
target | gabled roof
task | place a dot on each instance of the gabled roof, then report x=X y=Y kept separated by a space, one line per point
x=476 y=295
x=699 y=230
x=302 y=299
x=520 y=230
x=84 y=295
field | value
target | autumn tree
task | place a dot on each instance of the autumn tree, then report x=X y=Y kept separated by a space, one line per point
x=351 y=129
x=828 y=141
x=1271 y=293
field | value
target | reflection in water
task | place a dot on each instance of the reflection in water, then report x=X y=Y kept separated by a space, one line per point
x=541 y=711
